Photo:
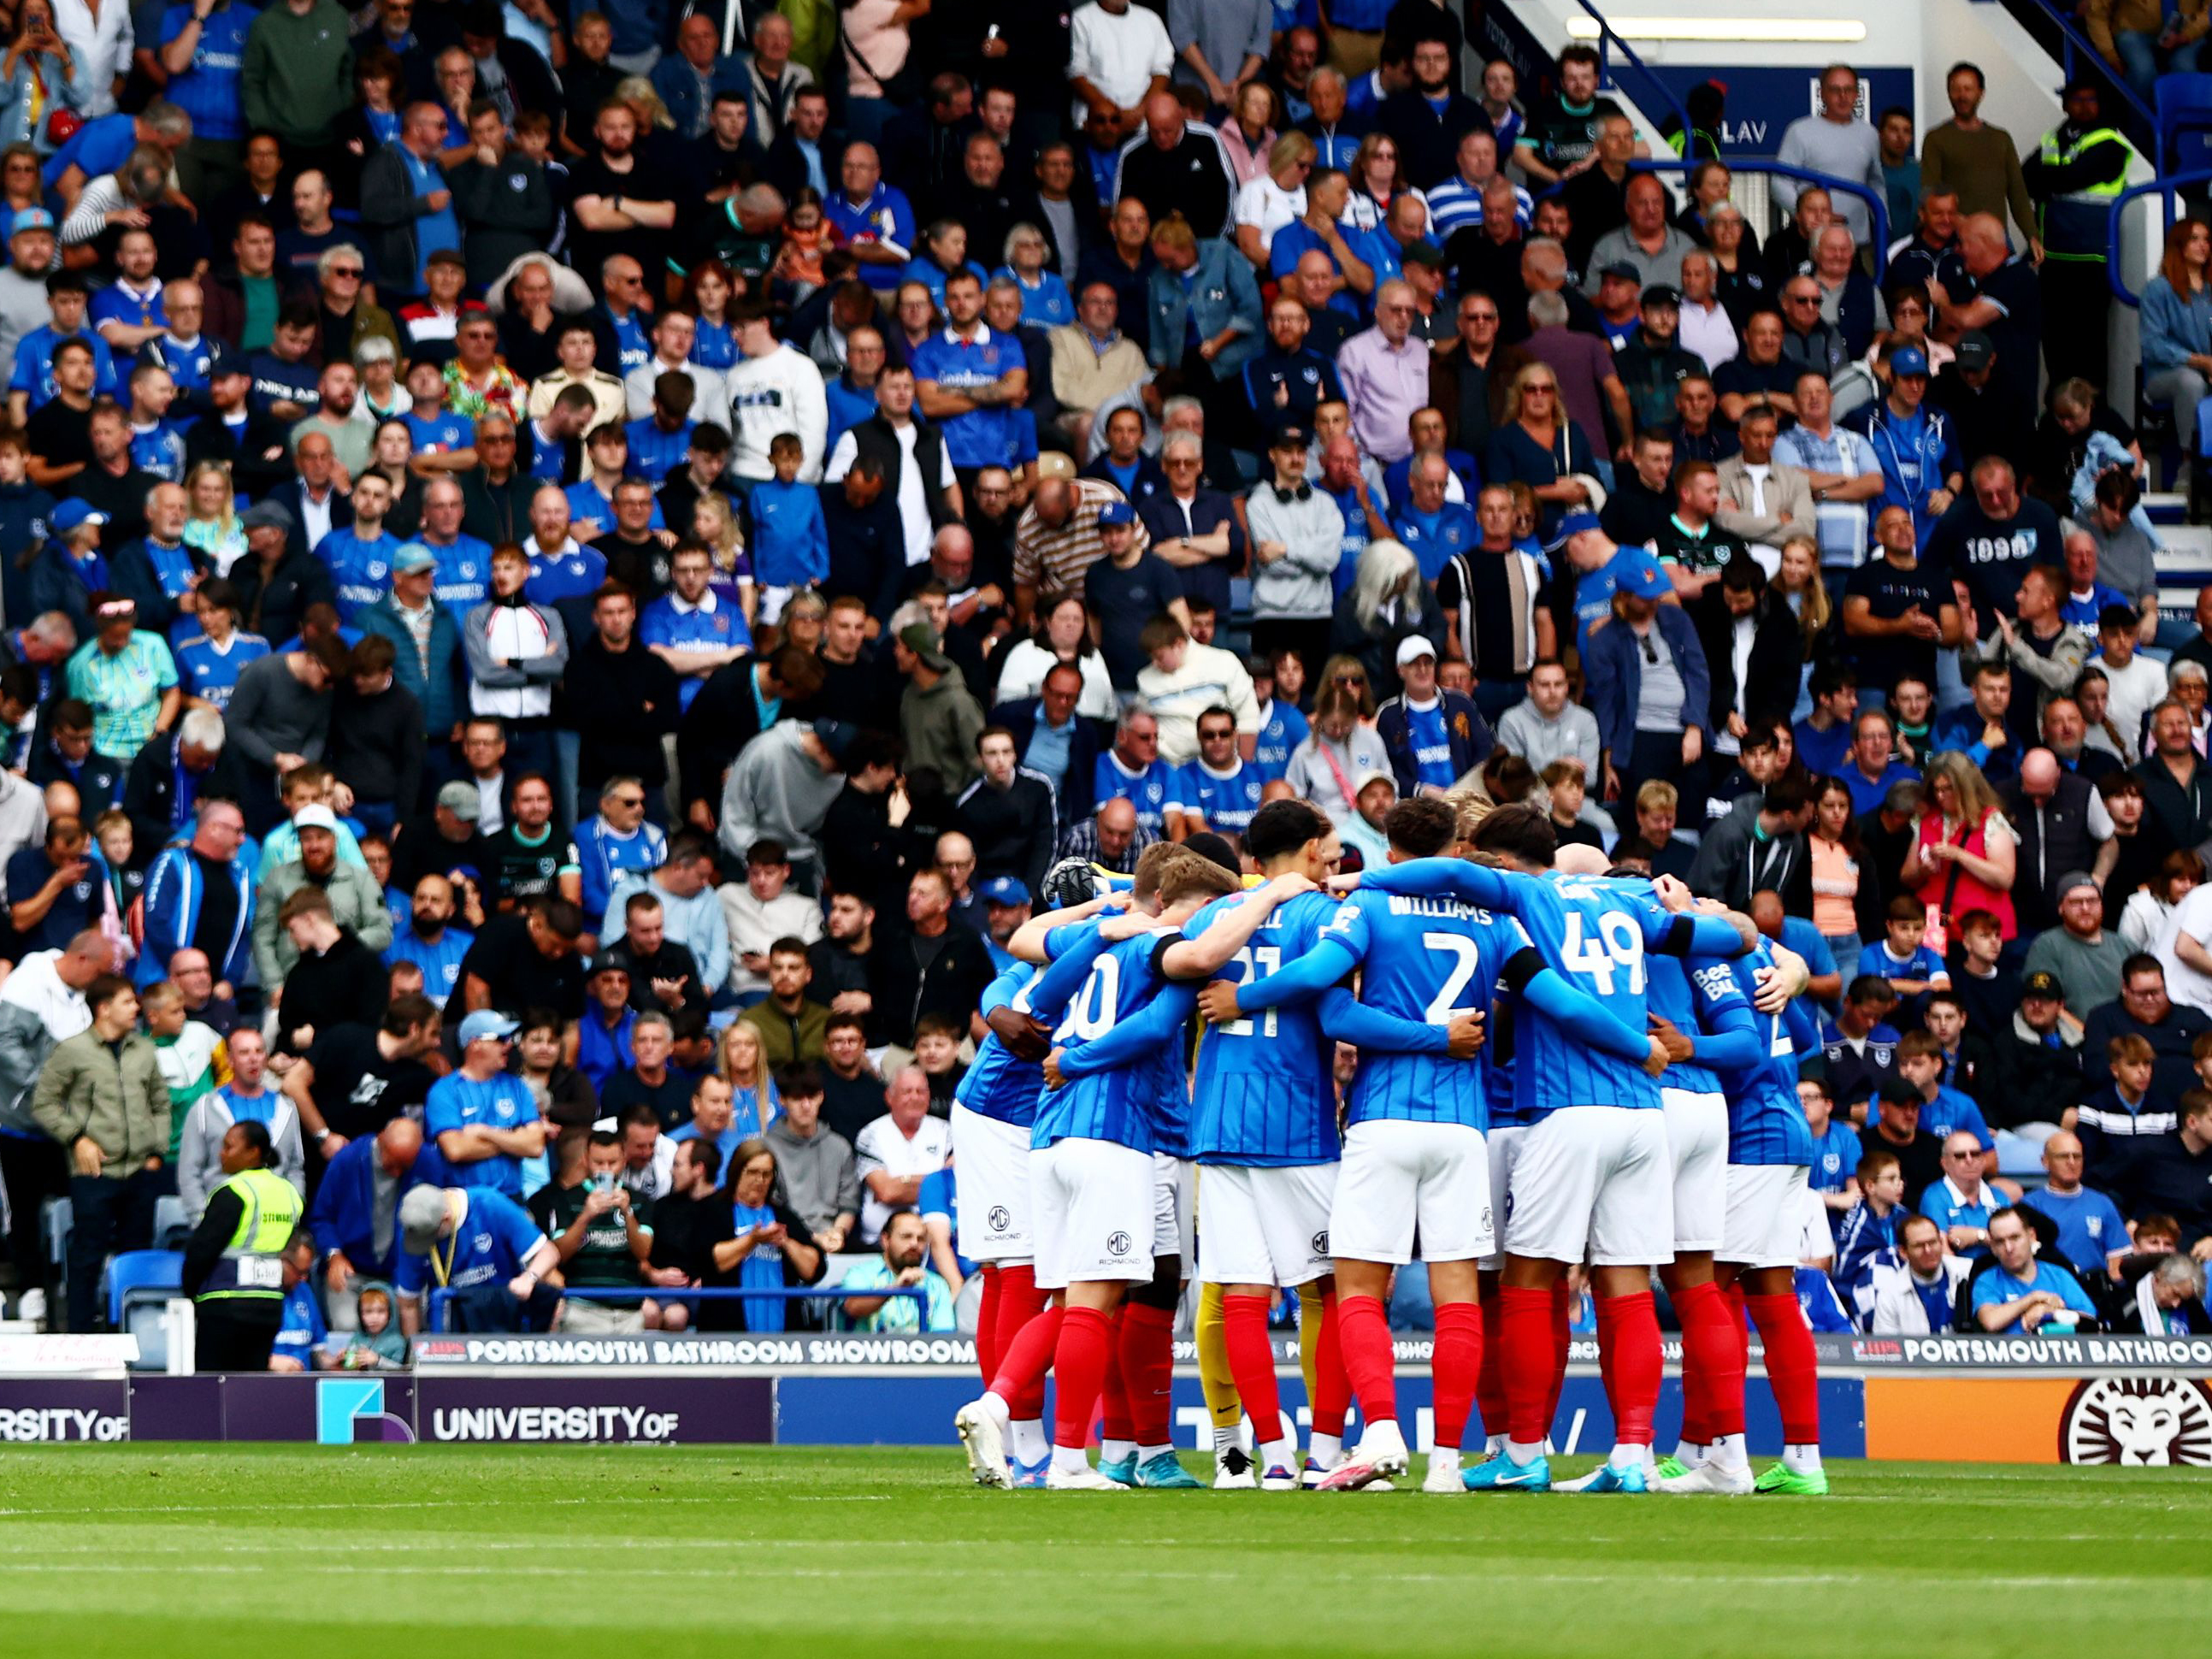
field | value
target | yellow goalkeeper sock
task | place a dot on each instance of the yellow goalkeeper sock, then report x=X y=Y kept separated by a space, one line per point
x=1310 y=1315
x=1222 y=1404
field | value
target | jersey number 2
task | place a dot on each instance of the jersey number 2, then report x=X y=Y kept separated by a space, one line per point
x=1467 y=957
x=1257 y=961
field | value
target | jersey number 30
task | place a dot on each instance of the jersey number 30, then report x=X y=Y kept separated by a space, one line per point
x=1620 y=945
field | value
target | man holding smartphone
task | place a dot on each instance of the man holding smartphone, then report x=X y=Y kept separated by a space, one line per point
x=603 y=1232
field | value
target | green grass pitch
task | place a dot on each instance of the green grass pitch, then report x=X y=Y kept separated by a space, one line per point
x=636 y=1553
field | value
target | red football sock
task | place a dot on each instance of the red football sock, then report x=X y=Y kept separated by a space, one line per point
x=1563 y=1339
x=1019 y=1303
x=1531 y=1383
x=1712 y=1366
x=1147 y=1353
x=1114 y=1393
x=1252 y=1365
x=1332 y=1382
x=1634 y=1336
x=1791 y=1368
x=1364 y=1331
x=1455 y=1363
x=987 y=1325
x=1023 y=1362
x=1490 y=1382
x=1608 y=1352
x=1079 y=1362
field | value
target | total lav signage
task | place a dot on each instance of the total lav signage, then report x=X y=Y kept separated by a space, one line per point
x=1762 y=102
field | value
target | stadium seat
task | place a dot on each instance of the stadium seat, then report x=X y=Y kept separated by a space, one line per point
x=172 y=1226
x=142 y=1279
x=2185 y=121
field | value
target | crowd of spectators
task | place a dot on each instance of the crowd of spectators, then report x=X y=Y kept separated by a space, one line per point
x=565 y=583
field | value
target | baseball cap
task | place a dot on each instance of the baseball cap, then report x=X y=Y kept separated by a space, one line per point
x=2043 y=983
x=460 y=798
x=72 y=513
x=1661 y=293
x=1644 y=579
x=413 y=556
x=315 y=817
x=1422 y=253
x=2072 y=880
x=1624 y=271
x=836 y=736
x=274 y=514
x=1413 y=648
x=1004 y=890
x=606 y=963
x=421 y=1213
x=31 y=219
x=487 y=1023
x=1572 y=524
x=1910 y=360
x=1975 y=349
x=1290 y=435
x=1114 y=512
x=921 y=639
x=447 y=256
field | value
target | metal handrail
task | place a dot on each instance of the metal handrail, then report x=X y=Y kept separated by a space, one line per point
x=442 y=1298
x=2170 y=187
x=2074 y=40
x=1876 y=207
x=1606 y=37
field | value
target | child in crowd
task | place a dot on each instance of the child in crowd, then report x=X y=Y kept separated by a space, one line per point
x=1569 y=787
x=936 y=1051
x=1871 y=1223
x=790 y=540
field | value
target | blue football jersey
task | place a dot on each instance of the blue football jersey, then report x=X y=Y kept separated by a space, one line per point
x=1267 y=1091
x=1597 y=934
x=1226 y=803
x=1149 y=791
x=1000 y=1084
x=1766 y=1120
x=1431 y=960
x=1113 y=1104
x=1666 y=991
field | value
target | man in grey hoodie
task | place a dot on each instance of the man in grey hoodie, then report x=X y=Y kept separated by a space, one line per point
x=780 y=790
x=1544 y=726
x=41 y=1004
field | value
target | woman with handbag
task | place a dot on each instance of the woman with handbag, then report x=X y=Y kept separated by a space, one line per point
x=39 y=103
x=1965 y=856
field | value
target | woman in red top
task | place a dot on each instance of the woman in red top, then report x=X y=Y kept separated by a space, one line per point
x=1964 y=858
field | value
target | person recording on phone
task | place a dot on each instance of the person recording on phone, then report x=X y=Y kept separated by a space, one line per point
x=602 y=1233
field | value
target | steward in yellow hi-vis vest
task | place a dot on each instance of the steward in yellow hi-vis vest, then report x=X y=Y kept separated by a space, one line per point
x=234 y=1262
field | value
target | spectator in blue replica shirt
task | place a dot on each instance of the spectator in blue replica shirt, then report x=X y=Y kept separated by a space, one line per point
x=1961 y=1204
x=302 y=1333
x=1123 y=462
x=482 y=1117
x=354 y=1214
x=1327 y=194
x=1921 y=468
x=617 y=841
x=872 y=218
x=1434 y=530
x=2091 y=1234
x=790 y=540
x=1277 y=679
x=430 y=941
x=1978 y=731
x=157 y=571
x=481 y=1246
x=1434 y=737
x=464 y=560
x=1871 y=769
x=2022 y=1295
x=1132 y=770
x=361 y=555
x=1833 y=1178
x=128 y=313
x=1871 y=1224
x=202 y=49
x=1287 y=380
x=970 y=380
x=660 y=440
x=1218 y=789
x=32 y=387
x=184 y=348
x=603 y=1035
x=691 y=628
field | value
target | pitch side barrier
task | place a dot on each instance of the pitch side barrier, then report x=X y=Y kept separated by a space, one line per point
x=1997 y=1399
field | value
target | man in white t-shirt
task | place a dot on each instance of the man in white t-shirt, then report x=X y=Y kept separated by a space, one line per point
x=895 y=1151
x=1118 y=55
x=2184 y=949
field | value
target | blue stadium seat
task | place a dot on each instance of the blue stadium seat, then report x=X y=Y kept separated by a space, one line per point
x=142 y=1279
x=2185 y=121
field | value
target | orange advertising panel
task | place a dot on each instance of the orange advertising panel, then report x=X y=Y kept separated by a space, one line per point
x=2149 y=1419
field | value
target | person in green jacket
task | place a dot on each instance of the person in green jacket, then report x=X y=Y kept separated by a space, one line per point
x=299 y=74
x=102 y=1098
